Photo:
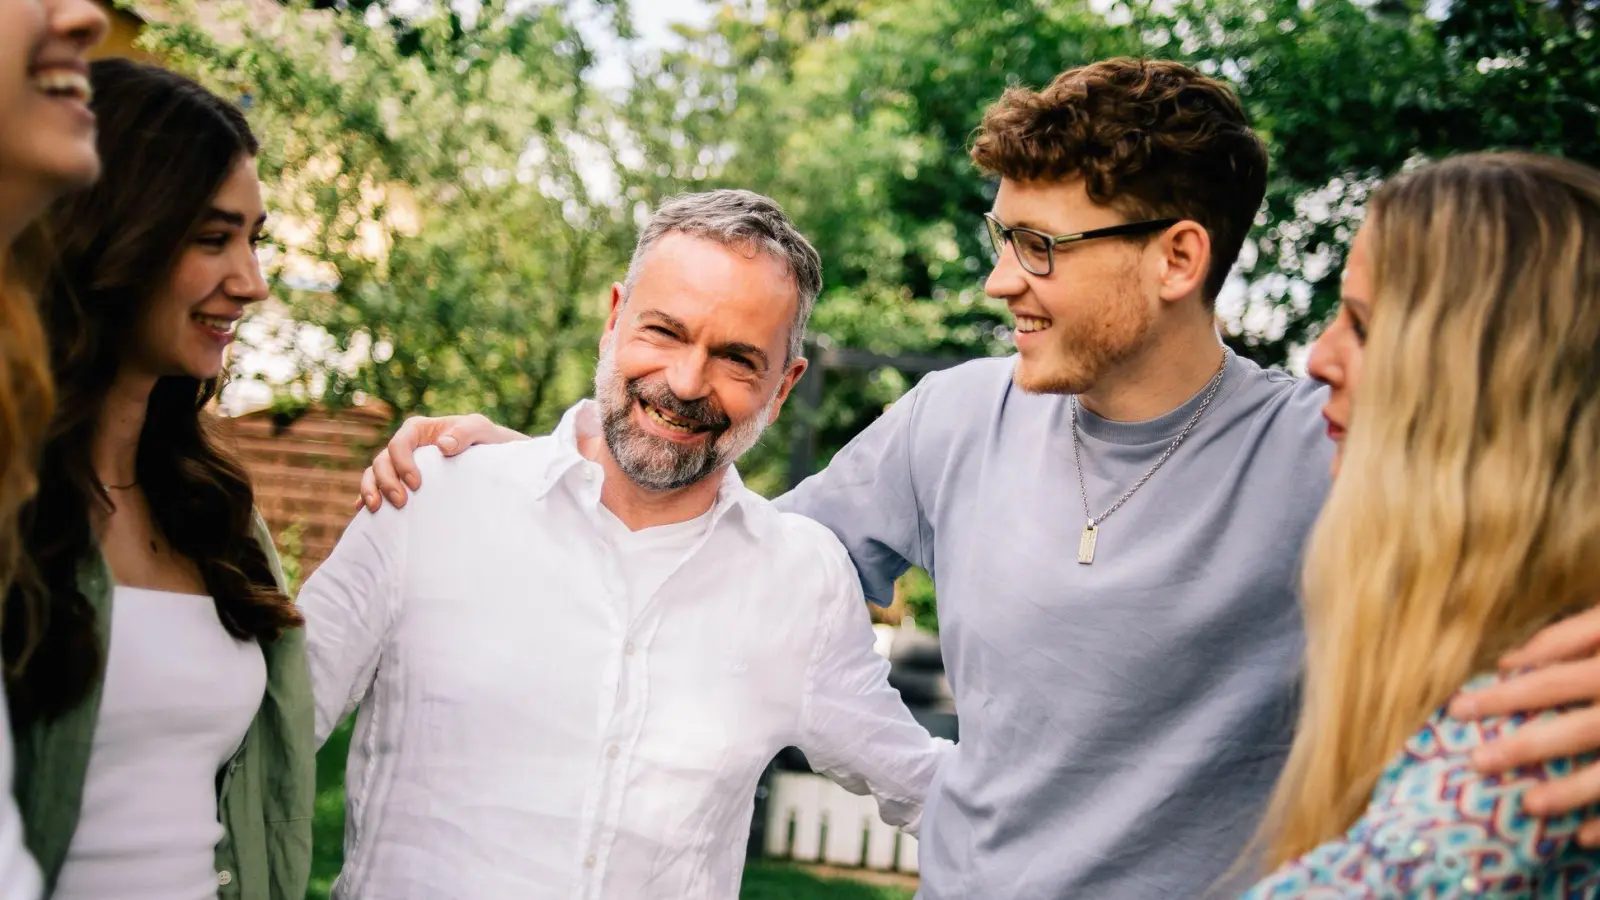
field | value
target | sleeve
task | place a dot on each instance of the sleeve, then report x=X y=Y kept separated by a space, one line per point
x=1438 y=828
x=867 y=497
x=349 y=604
x=855 y=729
x=263 y=536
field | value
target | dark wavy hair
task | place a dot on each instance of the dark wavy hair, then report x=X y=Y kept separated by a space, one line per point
x=1150 y=138
x=167 y=145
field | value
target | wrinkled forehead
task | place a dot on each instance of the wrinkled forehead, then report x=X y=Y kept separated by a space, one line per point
x=730 y=292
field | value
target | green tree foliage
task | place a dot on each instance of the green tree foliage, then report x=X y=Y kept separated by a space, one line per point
x=430 y=199
x=856 y=115
x=1347 y=92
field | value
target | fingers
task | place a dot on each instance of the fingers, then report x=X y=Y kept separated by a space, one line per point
x=1571 y=733
x=368 y=497
x=1589 y=834
x=394 y=473
x=461 y=432
x=418 y=431
x=1551 y=686
x=1564 y=795
x=388 y=482
x=1565 y=640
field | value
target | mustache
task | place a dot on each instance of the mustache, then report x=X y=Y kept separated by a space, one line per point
x=703 y=412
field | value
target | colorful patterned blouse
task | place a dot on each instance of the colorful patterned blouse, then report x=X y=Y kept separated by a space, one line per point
x=1436 y=828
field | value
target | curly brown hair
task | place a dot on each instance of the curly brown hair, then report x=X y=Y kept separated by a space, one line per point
x=1150 y=138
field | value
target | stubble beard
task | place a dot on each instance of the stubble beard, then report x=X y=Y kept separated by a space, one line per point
x=1078 y=360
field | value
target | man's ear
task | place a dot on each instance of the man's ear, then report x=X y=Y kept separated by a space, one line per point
x=618 y=301
x=791 y=377
x=1185 y=260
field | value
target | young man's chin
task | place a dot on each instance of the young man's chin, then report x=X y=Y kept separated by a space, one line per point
x=1047 y=377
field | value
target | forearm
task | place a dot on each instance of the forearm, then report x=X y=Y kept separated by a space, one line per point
x=857 y=730
x=347 y=608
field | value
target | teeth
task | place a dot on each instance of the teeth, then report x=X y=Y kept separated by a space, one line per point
x=1026 y=324
x=64 y=83
x=673 y=423
x=216 y=322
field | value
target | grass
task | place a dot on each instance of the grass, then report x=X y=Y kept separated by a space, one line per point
x=786 y=881
x=327 y=829
x=762 y=880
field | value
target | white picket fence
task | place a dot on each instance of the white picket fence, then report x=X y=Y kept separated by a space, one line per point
x=811 y=819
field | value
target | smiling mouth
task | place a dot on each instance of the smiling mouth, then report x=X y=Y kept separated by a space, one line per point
x=670 y=422
x=1031 y=324
x=215 y=323
x=64 y=84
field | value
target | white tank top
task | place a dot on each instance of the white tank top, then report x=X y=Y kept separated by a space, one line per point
x=180 y=693
x=19 y=874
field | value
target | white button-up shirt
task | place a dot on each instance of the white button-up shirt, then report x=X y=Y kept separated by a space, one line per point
x=524 y=734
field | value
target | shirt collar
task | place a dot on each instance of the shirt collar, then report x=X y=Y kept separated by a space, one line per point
x=582 y=420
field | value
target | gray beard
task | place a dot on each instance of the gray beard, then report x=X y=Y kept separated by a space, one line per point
x=659 y=465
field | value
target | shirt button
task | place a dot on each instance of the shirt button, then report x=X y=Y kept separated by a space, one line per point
x=588 y=862
x=224 y=878
x=628 y=648
x=613 y=751
x=588 y=474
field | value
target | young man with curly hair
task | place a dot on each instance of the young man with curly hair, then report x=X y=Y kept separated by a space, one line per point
x=1113 y=517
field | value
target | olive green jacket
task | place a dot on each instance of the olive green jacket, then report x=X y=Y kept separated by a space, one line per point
x=266 y=791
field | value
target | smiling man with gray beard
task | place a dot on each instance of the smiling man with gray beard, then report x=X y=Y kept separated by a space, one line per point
x=573 y=656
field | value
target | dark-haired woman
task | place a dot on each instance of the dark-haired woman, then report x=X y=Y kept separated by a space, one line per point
x=158 y=678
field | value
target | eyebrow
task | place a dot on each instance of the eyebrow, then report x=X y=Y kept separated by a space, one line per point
x=1023 y=223
x=733 y=348
x=229 y=217
x=1357 y=303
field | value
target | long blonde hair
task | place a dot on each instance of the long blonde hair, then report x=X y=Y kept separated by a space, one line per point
x=1466 y=513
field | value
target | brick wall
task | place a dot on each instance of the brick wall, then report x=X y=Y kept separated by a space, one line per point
x=307 y=472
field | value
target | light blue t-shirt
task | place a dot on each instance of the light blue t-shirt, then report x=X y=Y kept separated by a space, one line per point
x=1121 y=723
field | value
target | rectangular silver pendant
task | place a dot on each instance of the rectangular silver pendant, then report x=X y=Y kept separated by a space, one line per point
x=1086 y=544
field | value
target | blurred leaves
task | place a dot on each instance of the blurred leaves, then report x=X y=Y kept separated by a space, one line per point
x=428 y=191
x=470 y=195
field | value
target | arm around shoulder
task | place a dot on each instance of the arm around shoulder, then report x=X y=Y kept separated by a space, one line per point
x=867 y=497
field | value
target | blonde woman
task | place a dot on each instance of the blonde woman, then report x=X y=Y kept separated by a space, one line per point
x=46 y=149
x=1465 y=516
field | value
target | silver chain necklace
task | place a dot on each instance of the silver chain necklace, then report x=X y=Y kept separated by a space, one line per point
x=1091 y=532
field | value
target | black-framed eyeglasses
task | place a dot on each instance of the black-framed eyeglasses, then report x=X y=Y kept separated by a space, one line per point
x=1037 y=250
